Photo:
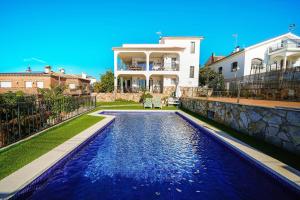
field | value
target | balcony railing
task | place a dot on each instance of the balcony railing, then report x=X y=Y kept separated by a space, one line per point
x=138 y=67
x=165 y=67
x=285 y=45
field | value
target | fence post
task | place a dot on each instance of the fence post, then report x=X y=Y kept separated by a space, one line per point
x=19 y=123
x=239 y=92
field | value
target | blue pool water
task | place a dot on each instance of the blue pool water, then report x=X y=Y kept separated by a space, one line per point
x=158 y=156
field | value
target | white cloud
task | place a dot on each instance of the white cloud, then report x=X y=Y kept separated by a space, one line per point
x=34 y=59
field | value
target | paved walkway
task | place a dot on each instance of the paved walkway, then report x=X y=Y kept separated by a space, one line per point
x=255 y=102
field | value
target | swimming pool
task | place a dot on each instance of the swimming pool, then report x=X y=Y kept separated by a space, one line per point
x=157 y=156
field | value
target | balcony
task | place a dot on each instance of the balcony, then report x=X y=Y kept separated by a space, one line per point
x=164 y=62
x=132 y=67
x=285 y=45
x=164 y=67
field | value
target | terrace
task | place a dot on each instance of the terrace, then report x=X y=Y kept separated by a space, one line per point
x=73 y=130
x=285 y=45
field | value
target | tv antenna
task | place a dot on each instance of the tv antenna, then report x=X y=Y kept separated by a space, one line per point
x=292 y=27
x=159 y=33
x=236 y=39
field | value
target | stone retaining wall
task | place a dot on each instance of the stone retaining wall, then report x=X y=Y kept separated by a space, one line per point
x=108 y=97
x=277 y=126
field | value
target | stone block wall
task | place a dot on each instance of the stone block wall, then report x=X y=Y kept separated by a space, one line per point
x=280 y=127
x=108 y=97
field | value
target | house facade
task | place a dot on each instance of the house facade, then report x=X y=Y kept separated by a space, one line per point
x=279 y=53
x=29 y=82
x=157 y=68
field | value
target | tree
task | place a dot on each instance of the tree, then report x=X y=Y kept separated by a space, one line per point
x=212 y=79
x=106 y=83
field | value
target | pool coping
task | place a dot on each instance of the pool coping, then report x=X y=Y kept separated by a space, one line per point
x=19 y=179
x=23 y=177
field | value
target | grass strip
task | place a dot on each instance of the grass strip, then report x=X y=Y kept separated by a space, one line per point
x=282 y=155
x=17 y=156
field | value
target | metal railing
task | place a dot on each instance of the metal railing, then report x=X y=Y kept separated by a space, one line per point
x=164 y=67
x=271 y=85
x=23 y=119
x=139 y=67
x=284 y=45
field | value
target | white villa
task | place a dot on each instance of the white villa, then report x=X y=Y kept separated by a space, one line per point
x=158 y=68
x=279 y=53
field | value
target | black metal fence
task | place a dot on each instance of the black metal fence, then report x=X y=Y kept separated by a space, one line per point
x=272 y=85
x=23 y=119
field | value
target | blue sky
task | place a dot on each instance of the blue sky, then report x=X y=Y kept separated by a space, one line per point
x=79 y=35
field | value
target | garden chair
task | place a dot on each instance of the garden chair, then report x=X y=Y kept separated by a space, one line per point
x=148 y=103
x=157 y=102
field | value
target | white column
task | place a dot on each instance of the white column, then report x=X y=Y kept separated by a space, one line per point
x=115 y=82
x=147 y=82
x=284 y=62
x=115 y=70
x=121 y=84
x=147 y=60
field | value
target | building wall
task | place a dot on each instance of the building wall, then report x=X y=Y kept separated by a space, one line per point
x=226 y=65
x=187 y=59
x=18 y=83
x=244 y=59
x=280 y=127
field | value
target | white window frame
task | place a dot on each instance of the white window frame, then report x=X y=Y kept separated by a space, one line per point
x=192 y=72
x=193 y=47
x=40 y=84
x=28 y=84
x=173 y=81
x=5 y=84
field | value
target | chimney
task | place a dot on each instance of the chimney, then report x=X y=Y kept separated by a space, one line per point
x=83 y=75
x=28 y=69
x=62 y=70
x=237 y=48
x=48 y=69
x=212 y=57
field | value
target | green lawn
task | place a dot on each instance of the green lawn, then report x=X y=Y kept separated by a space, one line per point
x=17 y=156
x=284 y=156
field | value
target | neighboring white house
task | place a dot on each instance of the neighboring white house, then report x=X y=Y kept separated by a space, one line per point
x=158 y=68
x=279 y=53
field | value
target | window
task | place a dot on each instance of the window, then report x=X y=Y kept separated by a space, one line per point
x=192 y=69
x=192 y=47
x=28 y=84
x=234 y=66
x=220 y=70
x=40 y=84
x=5 y=84
x=72 y=86
x=173 y=81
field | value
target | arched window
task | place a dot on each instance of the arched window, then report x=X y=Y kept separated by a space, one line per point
x=234 y=66
x=256 y=63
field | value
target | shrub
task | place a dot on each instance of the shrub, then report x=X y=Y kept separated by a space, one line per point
x=106 y=83
x=145 y=96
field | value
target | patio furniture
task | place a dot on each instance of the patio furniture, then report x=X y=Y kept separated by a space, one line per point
x=148 y=103
x=157 y=103
x=173 y=101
